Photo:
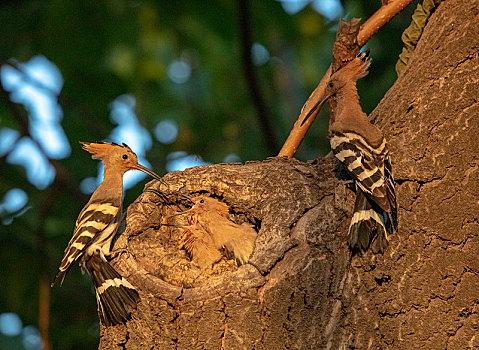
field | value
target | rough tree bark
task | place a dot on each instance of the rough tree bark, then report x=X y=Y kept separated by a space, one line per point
x=302 y=289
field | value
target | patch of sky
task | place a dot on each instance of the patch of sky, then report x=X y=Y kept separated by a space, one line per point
x=179 y=71
x=8 y=137
x=31 y=338
x=331 y=9
x=10 y=324
x=260 y=54
x=166 y=131
x=14 y=200
x=180 y=160
x=88 y=185
x=293 y=6
x=37 y=84
x=13 y=205
x=39 y=170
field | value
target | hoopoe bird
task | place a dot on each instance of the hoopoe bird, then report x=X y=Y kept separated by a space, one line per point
x=361 y=147
x=211 y=231
x=95 y=229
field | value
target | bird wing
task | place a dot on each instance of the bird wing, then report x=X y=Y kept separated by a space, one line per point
x=238 y=240
x=367 y=165
x=200 y=246
x=94 y=218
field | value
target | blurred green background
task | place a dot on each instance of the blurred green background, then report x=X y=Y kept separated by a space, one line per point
x=173 y=79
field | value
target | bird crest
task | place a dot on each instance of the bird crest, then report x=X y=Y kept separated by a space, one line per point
x=100 y=149
x=345 y=76
x=357 y=68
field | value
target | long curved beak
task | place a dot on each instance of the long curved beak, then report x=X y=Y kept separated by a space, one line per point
x=157 y=177
x=147 y=171
x=317 y=106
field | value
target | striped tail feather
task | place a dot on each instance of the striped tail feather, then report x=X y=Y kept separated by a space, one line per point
x=370 y=226
x=116 y=297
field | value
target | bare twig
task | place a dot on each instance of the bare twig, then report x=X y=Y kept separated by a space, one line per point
x=371 y=26
x=264 y=118
x=44 y=282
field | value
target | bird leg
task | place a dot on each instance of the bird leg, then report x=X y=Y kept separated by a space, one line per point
x=116 y=252
x=163 y=197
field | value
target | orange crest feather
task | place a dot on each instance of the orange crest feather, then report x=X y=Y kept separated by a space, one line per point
x=358 y=67
x=100 y=149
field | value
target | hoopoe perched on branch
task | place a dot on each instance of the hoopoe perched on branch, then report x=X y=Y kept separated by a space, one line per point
x=209 y=231
x=95 y=229
x=362 y=149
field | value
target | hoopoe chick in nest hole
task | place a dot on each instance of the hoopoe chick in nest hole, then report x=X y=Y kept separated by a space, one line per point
x=210 y=231
x=361 y=147
x=95 y=229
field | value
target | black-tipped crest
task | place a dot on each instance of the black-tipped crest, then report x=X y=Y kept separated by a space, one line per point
x=364 y=55
x=126 y=146
x=349 y=73
x=100 y=149
x=355 y=69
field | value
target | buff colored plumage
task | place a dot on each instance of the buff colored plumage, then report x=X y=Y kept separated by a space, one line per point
x=210 y=231
x=361 y=147
x=95 y=228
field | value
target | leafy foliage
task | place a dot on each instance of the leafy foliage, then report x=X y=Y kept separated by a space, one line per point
x=411 y=35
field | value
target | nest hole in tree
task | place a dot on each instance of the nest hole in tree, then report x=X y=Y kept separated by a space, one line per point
x=173 y=264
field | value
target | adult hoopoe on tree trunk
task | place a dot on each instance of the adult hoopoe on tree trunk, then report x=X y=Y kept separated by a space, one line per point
x=362 y=149
x=95 y=228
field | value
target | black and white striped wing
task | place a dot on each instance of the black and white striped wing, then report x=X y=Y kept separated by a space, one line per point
x=93 y=219
x=366 y=164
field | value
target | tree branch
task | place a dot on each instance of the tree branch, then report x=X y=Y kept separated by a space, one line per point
x=264 y=118
x=370 y=27
x=43 y=260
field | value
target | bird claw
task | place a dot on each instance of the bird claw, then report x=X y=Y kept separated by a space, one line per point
x=350 y=184
x=116 y=252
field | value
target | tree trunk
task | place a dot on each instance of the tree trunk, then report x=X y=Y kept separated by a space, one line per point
x=301 y=288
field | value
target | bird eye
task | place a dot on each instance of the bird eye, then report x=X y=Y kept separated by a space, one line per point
x=125 y=156
x=331 y=84
x=202 y=201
